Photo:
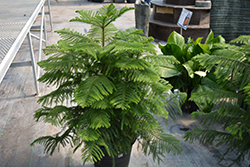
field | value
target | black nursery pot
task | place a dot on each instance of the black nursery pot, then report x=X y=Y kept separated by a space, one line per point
x=189 y=107
x=130 y=1
x=120 y=161
x=100 y=1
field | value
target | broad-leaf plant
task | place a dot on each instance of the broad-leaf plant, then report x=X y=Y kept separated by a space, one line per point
x=231 y=64
x=108 y=90
x=182 y=71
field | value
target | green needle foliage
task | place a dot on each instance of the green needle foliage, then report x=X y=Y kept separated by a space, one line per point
x=231 y=95
x=110 y=78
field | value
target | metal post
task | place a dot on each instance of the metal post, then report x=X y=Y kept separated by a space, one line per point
x=40 y=42
x=50 y=18
x=181 y=30
x=45 y=31
x=33 y=62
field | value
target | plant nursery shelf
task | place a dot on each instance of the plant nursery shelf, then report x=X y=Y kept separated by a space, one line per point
x=165 y=17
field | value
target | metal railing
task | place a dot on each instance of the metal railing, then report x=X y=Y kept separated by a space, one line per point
x=12 y=35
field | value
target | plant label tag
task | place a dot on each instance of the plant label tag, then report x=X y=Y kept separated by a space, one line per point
x=120 y=155
x=184 y=18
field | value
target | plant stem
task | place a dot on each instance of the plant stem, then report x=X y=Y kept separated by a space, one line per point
x=103 y=37
x=231 y=81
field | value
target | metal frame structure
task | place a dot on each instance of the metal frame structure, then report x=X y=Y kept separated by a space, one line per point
x=26 y=31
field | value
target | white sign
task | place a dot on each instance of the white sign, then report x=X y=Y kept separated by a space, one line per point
x=184 y=18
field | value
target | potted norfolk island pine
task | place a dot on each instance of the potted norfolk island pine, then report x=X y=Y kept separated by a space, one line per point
x=110 y=78
x=231 y=94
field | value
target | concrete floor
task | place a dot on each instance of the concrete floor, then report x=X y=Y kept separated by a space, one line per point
x=18 y=103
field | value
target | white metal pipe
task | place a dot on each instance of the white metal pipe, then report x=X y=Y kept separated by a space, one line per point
x=37 y=37
x=50 y=17
x=33 y=63
x=40 y=43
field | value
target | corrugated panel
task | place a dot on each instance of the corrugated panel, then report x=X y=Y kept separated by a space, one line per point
x=230 y=18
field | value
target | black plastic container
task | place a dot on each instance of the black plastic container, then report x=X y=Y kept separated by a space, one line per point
x=130 y=1
x=180 y=2
x=121 y=160
x=99 y=1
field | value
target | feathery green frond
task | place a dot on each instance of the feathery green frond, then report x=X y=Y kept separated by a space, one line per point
x=146 y=75
x=137 y=64
x=160 y=88
x=208 y=136
x=63 y=93
x=101 y=20
x=154 y=141
x=101 y=104
x=161 y=59
x=242 y=39
x=247 y=91
x=89 y=134
x=96 y=32
x=52 y=142
x=124 y=96
x=93 y=89
x=87 y=16
x=156 y=106
x=51 y=49
x=94 y=149
x=216 y=96
x=99 y=118
x=173 y=104
x=71 y=35
x=227 y=67
x=52 y=115
x=131 y=41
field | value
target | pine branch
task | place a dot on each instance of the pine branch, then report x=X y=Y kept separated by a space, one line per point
x=173 y=104
x=63 y=93
x=52 y=142
x=52 y=115
x=156 y=143
x=91 y=152
x=102 y=19
x=69 y=35
x=146 y=76
x=205 y=136
x=224 y=65
x=126 y=63
x=247 y=91
x=131 y=41
x=93 y=89
x=124 y=96
x=96 y=33
x=99 y=118
x=101 y=104
x=210 y=136
x=161 y=59
x=89 y=134
x=242 y=39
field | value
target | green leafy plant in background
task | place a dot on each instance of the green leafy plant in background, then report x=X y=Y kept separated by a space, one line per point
x=182 y=71
x=232 y=97
x=109 y=78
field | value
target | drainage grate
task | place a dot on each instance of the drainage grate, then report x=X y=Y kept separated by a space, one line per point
x=8 y=34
